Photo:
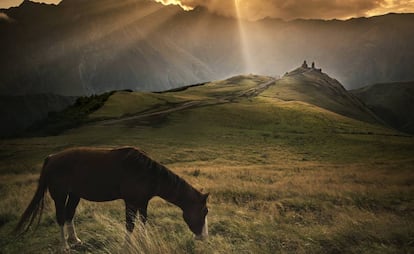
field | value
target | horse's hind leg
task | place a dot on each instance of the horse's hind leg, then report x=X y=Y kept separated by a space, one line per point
x=70 y=209
x=60 y=200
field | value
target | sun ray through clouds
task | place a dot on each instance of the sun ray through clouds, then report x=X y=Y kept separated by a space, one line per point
x=244 y=37
x=119 y=29
x=115 y=18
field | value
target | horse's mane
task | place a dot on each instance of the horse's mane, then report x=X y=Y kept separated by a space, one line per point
x=161 y=172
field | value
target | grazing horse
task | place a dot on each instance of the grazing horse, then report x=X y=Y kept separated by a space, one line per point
x=98 y=174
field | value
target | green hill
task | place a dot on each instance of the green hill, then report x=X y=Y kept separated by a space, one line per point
x=315 y=87
x=286 y=174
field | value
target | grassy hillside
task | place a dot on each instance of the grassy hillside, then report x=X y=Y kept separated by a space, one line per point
x=317 y=88
x=284 y=176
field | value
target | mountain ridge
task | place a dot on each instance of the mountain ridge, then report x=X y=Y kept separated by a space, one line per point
x=392 y=102
x=145 y=46
x=204 y=9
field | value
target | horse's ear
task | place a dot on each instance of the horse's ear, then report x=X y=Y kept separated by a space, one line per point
x=205 y=196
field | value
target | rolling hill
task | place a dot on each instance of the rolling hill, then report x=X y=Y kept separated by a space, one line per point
x=313 y=86
x=305 y=100
x=306 y=85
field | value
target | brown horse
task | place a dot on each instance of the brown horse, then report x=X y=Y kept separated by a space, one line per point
x=97 y=174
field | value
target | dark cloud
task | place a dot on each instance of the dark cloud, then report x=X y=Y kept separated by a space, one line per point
x=293 y=9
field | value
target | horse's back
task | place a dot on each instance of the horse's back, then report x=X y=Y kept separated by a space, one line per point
x=94 y=173
x=98 y=158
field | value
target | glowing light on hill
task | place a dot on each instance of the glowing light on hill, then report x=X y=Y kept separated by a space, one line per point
x=175 y=2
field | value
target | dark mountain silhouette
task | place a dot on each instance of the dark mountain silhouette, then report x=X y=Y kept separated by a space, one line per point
x=392 y=102
x=84 y=47
x=20 y=112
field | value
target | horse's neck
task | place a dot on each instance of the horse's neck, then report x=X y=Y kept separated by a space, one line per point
x=175 y=191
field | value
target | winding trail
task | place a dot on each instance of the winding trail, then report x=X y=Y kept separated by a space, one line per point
x=252 y=92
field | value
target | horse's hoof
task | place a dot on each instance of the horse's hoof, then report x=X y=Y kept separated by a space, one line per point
x=75 y=241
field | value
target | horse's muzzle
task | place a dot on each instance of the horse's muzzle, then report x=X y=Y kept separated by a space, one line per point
x=204 y=231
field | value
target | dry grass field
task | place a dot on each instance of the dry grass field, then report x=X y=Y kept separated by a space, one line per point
x=284 y=177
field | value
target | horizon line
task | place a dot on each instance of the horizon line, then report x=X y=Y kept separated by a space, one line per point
x=244 y=19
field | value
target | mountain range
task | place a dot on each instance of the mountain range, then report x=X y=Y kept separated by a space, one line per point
x=84 y=47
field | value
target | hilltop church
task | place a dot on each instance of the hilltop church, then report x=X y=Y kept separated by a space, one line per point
x=305 y=65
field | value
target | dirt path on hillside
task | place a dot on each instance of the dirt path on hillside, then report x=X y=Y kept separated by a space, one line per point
x=252 y=92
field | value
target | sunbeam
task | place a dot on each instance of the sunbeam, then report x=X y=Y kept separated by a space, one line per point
x=114 y=20
x=244 y=37
x=123 y=31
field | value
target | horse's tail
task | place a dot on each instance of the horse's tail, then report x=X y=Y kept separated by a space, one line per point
x=35 y=207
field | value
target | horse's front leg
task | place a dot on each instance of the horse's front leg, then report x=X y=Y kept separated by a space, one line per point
x=72 y=236
x=143 y=213
x=64 y=244
x=130 y=215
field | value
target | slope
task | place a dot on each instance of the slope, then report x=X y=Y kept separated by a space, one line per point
x=392 y=102
x=306 y=99
x=239 y=112
x=313 y=86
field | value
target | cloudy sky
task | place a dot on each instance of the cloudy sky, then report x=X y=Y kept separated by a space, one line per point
x=285 y=9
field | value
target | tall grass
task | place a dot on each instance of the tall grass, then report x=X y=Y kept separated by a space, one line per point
x=302 y=207
x=113 y=238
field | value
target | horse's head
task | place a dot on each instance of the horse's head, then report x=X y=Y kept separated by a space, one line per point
x=195 y=215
